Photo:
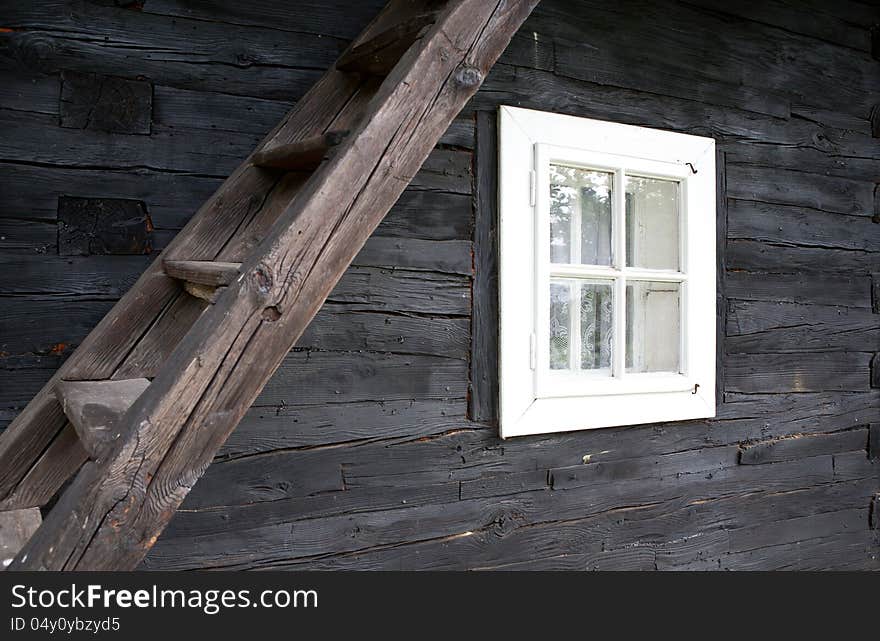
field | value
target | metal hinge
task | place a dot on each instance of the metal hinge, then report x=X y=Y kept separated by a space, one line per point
x=533 y=179
x=533 y=351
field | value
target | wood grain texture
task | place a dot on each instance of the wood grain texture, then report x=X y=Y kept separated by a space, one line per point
x=780 y=87
x=95 y=407
x=306 y=252
x=483 y=397
x=117 y=105
x=16 y=527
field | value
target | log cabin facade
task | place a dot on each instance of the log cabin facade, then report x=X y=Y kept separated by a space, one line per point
x=375 y=445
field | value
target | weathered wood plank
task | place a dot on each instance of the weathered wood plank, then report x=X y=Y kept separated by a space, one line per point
x=829 y=26
x=156 y=345
x=16 y=527
x=194 y=54
x=63 y=326
x=490 y=525
x=332 y=377
x=266 y=477
x=801 y=189
x=336 y=328
x=803 y=446
x=483 y=397
x=32 y=192
x=841 y=551
x=180 y=108
x=774 y=257
x=538 y=89
x=193 y=522
x=27 y=236
x=449 y=256
x=626 y=67
x=337 y=21
x=264 y=429
x=854 y=465
x=792 y=530
x=403 y=291
x=799 y=226
x=72 y=278
x=753 y=417
x=751 y=373
x=831 y=289
x=755 y=55
x=763 y=327
x=677 y=531
x=48 y=474
x=689 y=462
x=808 y=159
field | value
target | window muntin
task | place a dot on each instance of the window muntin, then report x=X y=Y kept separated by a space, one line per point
x=607 y=274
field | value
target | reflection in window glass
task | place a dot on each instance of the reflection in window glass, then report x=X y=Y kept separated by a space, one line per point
x=580 y=216
x=581 y=324
x=652 y=213
x=653 y=326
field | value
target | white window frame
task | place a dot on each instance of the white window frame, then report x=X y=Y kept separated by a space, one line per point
x=535 y=400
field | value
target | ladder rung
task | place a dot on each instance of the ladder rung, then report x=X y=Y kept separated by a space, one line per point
x=201 y=278
x=94 y=407
x=302 y=155
x=16 y=528
x=378 y=55
x=202 y=272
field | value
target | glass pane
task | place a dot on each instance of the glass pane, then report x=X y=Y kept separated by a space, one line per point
x=596 y=325
x=652 y=212
x=653 y=327
x=581 y=323
x=560 y=322
x=580 y=215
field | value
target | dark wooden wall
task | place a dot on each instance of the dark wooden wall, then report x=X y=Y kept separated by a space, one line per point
x=118 y=118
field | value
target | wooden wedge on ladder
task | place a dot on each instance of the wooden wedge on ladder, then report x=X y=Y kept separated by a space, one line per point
x=159 y=384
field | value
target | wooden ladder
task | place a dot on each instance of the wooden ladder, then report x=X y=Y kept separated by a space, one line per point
x=134 y=417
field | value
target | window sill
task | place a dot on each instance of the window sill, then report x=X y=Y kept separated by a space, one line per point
x=566 y=414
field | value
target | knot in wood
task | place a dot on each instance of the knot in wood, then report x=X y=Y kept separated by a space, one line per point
x=271 y=314
x=262 y=279
x=34 y=50
x=468 y=76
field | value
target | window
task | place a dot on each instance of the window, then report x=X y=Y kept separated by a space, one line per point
x=607 y=274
